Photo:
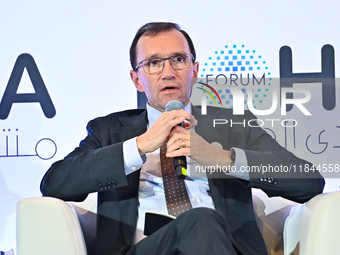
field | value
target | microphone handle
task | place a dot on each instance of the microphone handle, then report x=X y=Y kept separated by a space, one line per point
x=180 y=164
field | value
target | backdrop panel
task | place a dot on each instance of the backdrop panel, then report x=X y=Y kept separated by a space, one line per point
x=63 y=63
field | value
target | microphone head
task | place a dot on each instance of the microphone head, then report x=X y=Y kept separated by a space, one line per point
x=173 y=105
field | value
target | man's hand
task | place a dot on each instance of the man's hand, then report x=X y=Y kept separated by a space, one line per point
x=183 y=142
x=158 y=133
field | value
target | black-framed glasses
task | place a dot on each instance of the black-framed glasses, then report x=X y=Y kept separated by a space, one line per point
x=155 y=65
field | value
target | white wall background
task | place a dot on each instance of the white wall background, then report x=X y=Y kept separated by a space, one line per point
x=81 y=50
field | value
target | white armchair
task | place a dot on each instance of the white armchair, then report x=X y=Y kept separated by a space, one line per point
x=50 y=226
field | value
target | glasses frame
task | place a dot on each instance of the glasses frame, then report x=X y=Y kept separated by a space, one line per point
x=163 y=60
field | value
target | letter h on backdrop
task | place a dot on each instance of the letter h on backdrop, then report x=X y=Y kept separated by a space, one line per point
x=326 y=76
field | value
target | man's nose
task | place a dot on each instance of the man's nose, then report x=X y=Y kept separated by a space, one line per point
x=168 y=70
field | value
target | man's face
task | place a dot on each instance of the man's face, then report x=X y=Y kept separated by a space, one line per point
x=171 y=84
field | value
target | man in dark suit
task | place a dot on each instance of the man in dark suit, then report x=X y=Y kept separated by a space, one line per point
x=163 y=62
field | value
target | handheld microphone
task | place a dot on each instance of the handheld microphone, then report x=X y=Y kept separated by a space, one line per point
x=180 y=163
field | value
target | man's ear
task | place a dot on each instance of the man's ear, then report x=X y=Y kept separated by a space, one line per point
x=135 y=79
x=195 y=73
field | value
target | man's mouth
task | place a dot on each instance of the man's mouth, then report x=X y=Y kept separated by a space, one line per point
x=169 y=88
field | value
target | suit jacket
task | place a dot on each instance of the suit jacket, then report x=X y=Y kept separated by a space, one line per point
x=97 y=165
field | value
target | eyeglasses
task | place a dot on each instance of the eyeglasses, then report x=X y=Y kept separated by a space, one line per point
x=156 y=65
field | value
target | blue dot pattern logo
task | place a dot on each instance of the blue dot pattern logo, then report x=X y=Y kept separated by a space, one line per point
x=237 y=65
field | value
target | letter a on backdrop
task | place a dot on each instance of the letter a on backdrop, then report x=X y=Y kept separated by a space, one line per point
x=40 y=96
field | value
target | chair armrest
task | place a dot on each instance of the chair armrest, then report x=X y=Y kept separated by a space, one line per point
x=271 y=214
x=51 y=226
x=48 y=226
x=313 y=228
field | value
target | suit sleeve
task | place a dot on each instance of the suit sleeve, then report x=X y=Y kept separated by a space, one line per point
x=277 y=171
x=92 y=167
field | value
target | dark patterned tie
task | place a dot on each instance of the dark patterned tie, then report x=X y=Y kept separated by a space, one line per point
x=176 y=195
